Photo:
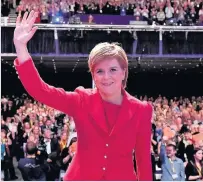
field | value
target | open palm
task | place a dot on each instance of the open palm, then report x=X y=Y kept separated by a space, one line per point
x=24 y=30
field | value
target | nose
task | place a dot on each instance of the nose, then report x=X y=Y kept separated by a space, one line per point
x=106 y=75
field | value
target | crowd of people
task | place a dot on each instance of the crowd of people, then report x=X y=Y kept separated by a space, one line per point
x=173 y=12
x=44 y=140
x=36 y=135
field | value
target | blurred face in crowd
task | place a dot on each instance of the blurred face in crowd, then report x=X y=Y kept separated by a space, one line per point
x=198 y=155
x=168 y=114
x=65 y=127
x=178 y=121
x=189 y=122
x=200 y=144
x=3 y=134
x=170 y=151
x=158 y=124
x=36 y=130
x=31 y=138
x=41 y=123
x=48 y=123
x=164 y=125
x=193 y=128
x=47 y=134
x=40 y=118
x=44 y=119
x=8 y=120
x=64 y=136
x=2 y=121
x=27 y=125
x=174 y=128
x=10 y=103
x=108 y=76
x=51 y=113
x=187 y=135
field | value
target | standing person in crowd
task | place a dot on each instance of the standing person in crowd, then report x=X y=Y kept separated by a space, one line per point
x=194 y=167
x=30 y=167
x=172 y=167
x=118 y=122
x=6 y=156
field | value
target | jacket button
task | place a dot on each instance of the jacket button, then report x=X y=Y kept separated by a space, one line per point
x=107 y=145
x=105 y=156
x=104 y=168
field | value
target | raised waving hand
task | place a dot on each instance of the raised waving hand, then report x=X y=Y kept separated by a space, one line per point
x=24 y=30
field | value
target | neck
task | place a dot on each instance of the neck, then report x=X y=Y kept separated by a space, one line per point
x=114 y=99
x=197 y=161
x=30 y=156
x=173 y=157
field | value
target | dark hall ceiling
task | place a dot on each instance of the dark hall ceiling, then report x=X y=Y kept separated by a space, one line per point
x=135 y=64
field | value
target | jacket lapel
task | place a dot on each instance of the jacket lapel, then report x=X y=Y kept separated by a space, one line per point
x=96 y=111
x=169 y=168
x=126 y=113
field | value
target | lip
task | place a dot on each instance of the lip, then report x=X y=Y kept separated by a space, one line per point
x=107 y=84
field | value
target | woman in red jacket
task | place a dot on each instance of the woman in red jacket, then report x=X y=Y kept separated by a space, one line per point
x=110 y=123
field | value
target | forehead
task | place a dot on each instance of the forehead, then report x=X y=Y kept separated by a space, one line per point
x=47 y=132
x=107 y=63
x=199 y=152
x=169 y=148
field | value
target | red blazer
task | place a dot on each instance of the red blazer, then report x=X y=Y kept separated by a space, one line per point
x=101 y=155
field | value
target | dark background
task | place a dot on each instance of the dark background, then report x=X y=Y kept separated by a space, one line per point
x=168 y=83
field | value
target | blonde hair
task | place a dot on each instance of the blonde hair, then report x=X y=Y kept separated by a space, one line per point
x=108 y=50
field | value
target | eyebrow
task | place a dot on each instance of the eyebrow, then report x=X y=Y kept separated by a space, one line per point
x=110 y=68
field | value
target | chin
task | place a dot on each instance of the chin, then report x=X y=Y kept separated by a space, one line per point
x=107 y=92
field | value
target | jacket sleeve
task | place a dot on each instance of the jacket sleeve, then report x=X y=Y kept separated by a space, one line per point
x=57 y=98
x=182 y=171
x=143 y=143
x=163 y=153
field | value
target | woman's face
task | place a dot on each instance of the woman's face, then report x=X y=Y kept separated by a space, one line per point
x=198 y=155
x=36 y=130
x=65 y=128
x=108 y=76
x=64 y=136
x=3 y=135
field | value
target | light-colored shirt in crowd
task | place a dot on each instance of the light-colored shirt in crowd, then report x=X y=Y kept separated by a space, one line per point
x=172 y=170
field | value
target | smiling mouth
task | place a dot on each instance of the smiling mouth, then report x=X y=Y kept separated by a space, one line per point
x=107 y=84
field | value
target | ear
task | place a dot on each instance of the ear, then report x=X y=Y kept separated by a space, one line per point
x=93 y=78
x=124 y=73
x=93 y=81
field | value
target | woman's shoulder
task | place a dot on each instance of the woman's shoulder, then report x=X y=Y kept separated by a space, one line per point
x=140 y=103
x=189 y=164
x=85 y=91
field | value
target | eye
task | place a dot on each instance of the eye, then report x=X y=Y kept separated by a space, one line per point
x=113 y=70
x=99 y=71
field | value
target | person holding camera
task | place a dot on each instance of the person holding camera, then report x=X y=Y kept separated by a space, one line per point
x=30 y=167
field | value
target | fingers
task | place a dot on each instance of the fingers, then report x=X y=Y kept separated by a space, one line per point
x=24 y=18
x=32 y=32
x=32 y=19
x=30 y=16
x=18 y=20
